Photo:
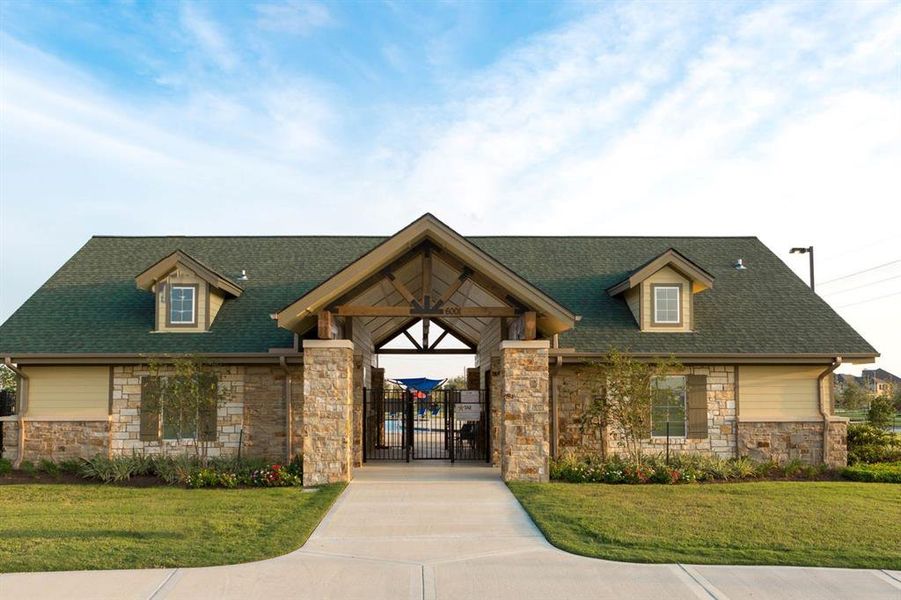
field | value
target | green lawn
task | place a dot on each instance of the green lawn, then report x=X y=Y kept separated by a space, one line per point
x=64 y=527
x=834 y=524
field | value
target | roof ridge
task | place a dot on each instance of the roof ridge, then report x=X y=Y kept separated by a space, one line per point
x=374 y=236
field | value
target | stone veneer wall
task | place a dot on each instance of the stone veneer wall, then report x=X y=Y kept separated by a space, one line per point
x=796 y=440
x=837 y=443
x=327 y=411
x=265 y=434
x=496 y=397
x=359 y=384
x=253 y=415
x=60 y=440
x=721 y=429
x=125 y=421
x=525 y=447
x=10 y=449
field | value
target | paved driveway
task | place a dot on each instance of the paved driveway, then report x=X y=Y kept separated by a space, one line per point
x=434 y=531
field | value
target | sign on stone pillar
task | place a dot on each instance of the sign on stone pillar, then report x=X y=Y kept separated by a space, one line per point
x=525 y=429
x=327 y=411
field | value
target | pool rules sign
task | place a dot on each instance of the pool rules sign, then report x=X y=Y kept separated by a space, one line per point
x=469 y=408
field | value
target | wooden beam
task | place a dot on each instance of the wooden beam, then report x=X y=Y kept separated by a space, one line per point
x=452 y=288
x=425 y=333
x=530 y=326
x=400 y=287
x=438 y=341
x=427 y=277
x=467 y=340
x=326 y=331
x=483 y=282
x=412 y=340
x=354 y=310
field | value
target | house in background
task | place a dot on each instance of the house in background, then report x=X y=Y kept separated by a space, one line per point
x=877 y=382
x=295 y=326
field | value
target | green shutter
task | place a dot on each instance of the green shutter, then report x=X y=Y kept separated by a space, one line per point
x=207 y=427
x=150 y=408
x=697 y=406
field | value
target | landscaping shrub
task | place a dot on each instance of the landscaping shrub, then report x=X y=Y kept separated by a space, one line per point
x=71 y=466
x=274 y=476
x=105 y=469
x=49 y=467
x=681 y=468
x=28 y=467
x=877 y=473
x=6 y=466
x=870 y=444
x=211 y=477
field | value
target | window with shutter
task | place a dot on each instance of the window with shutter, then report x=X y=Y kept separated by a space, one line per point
x=697 y=406
x=668 y=407
x=150 y=408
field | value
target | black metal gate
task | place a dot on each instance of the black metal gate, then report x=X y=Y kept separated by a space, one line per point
x=441 y=425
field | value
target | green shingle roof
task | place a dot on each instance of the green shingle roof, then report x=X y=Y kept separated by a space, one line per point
x=91 y=305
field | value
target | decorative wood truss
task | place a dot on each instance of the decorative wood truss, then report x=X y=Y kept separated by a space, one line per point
x=427 y=273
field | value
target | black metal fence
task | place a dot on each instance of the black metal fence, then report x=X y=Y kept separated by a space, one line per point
x=441 y=425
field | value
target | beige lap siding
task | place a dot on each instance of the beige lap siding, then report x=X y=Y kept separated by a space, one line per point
x=77 y=392
x=779 y=393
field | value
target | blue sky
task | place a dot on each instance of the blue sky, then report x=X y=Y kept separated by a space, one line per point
x=779 y=120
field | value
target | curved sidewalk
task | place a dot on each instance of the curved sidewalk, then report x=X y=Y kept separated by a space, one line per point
x=435 y=531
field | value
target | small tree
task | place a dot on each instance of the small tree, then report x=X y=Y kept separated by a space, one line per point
x=188 y=398
x=882 y=412
x=853 y=396
x=455 y=383
x=622 y=396
x=7 y=378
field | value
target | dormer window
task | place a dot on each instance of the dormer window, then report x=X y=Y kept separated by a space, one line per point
x=660 y=293
x=182 y=305
x=667 y=308
x=188 y=293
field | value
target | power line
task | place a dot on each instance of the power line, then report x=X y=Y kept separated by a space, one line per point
x=870 y=300
x=863 y=286
x=888 y=264
x=856 y=249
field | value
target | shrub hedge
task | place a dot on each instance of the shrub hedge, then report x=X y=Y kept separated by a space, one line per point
x=870 y=444
x=876 y=473
x=176 y=470
x=687 y=468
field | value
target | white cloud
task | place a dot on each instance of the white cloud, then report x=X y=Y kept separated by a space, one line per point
x=299 y=17
x=210 y=39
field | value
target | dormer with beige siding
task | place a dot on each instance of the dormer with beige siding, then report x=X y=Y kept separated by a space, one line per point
x=660 y=293
x=188 y=294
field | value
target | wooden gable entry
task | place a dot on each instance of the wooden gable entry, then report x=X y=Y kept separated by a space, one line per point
x=427 y=285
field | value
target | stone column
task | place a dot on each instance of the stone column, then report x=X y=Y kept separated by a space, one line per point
x=327 y=411
x=525 y=430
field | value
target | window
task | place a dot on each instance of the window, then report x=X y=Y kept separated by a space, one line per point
x=666 y=304
x=181 y=305
x=178 y=425
x=668 y=406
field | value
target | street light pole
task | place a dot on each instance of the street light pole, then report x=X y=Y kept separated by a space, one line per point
x=807 y=250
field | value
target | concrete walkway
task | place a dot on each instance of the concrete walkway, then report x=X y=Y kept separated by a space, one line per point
x=434 y=531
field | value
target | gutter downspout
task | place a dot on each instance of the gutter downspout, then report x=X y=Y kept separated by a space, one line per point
x=289 y=433
x=824 y=412
x=555 y=429
x=21 y=398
